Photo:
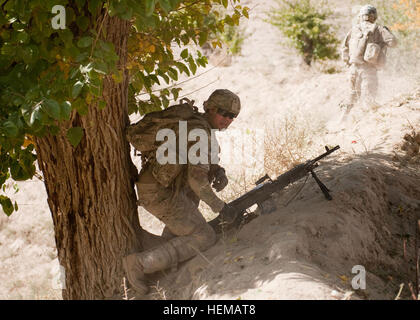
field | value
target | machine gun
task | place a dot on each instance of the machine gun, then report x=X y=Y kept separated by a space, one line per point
x=232 y=215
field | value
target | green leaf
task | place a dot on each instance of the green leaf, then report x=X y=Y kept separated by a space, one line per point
x=154 y=78
x=127 y=14
x=74 y=135
x=93 y=6
x=182 y=67
x=173 y=73
x=193 y=66
x=80 y=3
x=165 y=5
x=67 y=37
x=150 y=7
x=175 y=93
x=165 y=101
x=10 y=128
x=156 y=101
x=35 y=115
x=77 y=88
x=175 y=3
x=52 y=108
x=164 y=76
x=6 y=204
x=22 y=36
x=100 y=67
x=184 y=54
x=106 y=46
x=74 y=72
x=81 y=57
x=18 y=172
x=82 y=22
x=203 y=38
x=84 y=42
x=65 y=110
x=81 y=106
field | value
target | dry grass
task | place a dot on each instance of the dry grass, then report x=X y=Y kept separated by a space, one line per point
x=289 y=142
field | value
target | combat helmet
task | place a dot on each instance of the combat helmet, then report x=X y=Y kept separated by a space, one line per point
x=225 y=100
x=368 y=11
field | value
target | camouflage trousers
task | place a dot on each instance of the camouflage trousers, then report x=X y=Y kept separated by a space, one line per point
x=182 y=218
x=363 y=83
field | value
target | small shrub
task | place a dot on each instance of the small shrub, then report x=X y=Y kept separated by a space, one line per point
x=231 y=35
x=305 y=26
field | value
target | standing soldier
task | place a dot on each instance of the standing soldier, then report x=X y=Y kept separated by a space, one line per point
x=364 y=51
x=172 y=192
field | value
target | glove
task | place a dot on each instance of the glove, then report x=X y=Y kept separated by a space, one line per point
x=220 y=180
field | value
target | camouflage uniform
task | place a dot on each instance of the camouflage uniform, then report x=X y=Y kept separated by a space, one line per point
x=176 y=205
x=363 y=75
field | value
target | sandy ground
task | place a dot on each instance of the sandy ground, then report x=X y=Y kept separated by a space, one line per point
x=305 y=250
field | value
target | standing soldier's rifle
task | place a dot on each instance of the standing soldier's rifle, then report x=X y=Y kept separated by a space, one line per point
x=232 y=214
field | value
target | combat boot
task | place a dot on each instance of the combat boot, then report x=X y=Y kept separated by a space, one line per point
x=135 y=273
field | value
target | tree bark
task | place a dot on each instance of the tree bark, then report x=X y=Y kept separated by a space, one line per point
x=90 y=188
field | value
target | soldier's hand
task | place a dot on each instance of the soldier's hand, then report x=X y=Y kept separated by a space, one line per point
x=220 y=183
x=220 y=180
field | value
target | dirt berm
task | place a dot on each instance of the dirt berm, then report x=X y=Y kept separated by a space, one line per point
x=307 y=249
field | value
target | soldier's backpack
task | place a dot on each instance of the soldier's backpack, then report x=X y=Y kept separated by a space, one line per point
x=142 y=135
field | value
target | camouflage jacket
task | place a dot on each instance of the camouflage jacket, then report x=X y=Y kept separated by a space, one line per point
x=357 y=39
x=194 y=174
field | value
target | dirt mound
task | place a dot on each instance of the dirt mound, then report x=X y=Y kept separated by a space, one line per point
x=307 y=250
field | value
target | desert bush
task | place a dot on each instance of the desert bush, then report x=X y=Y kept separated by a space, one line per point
x=304 y=25
x=232 y=35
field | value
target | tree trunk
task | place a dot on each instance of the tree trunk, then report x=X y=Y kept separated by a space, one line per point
x=90 y=188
